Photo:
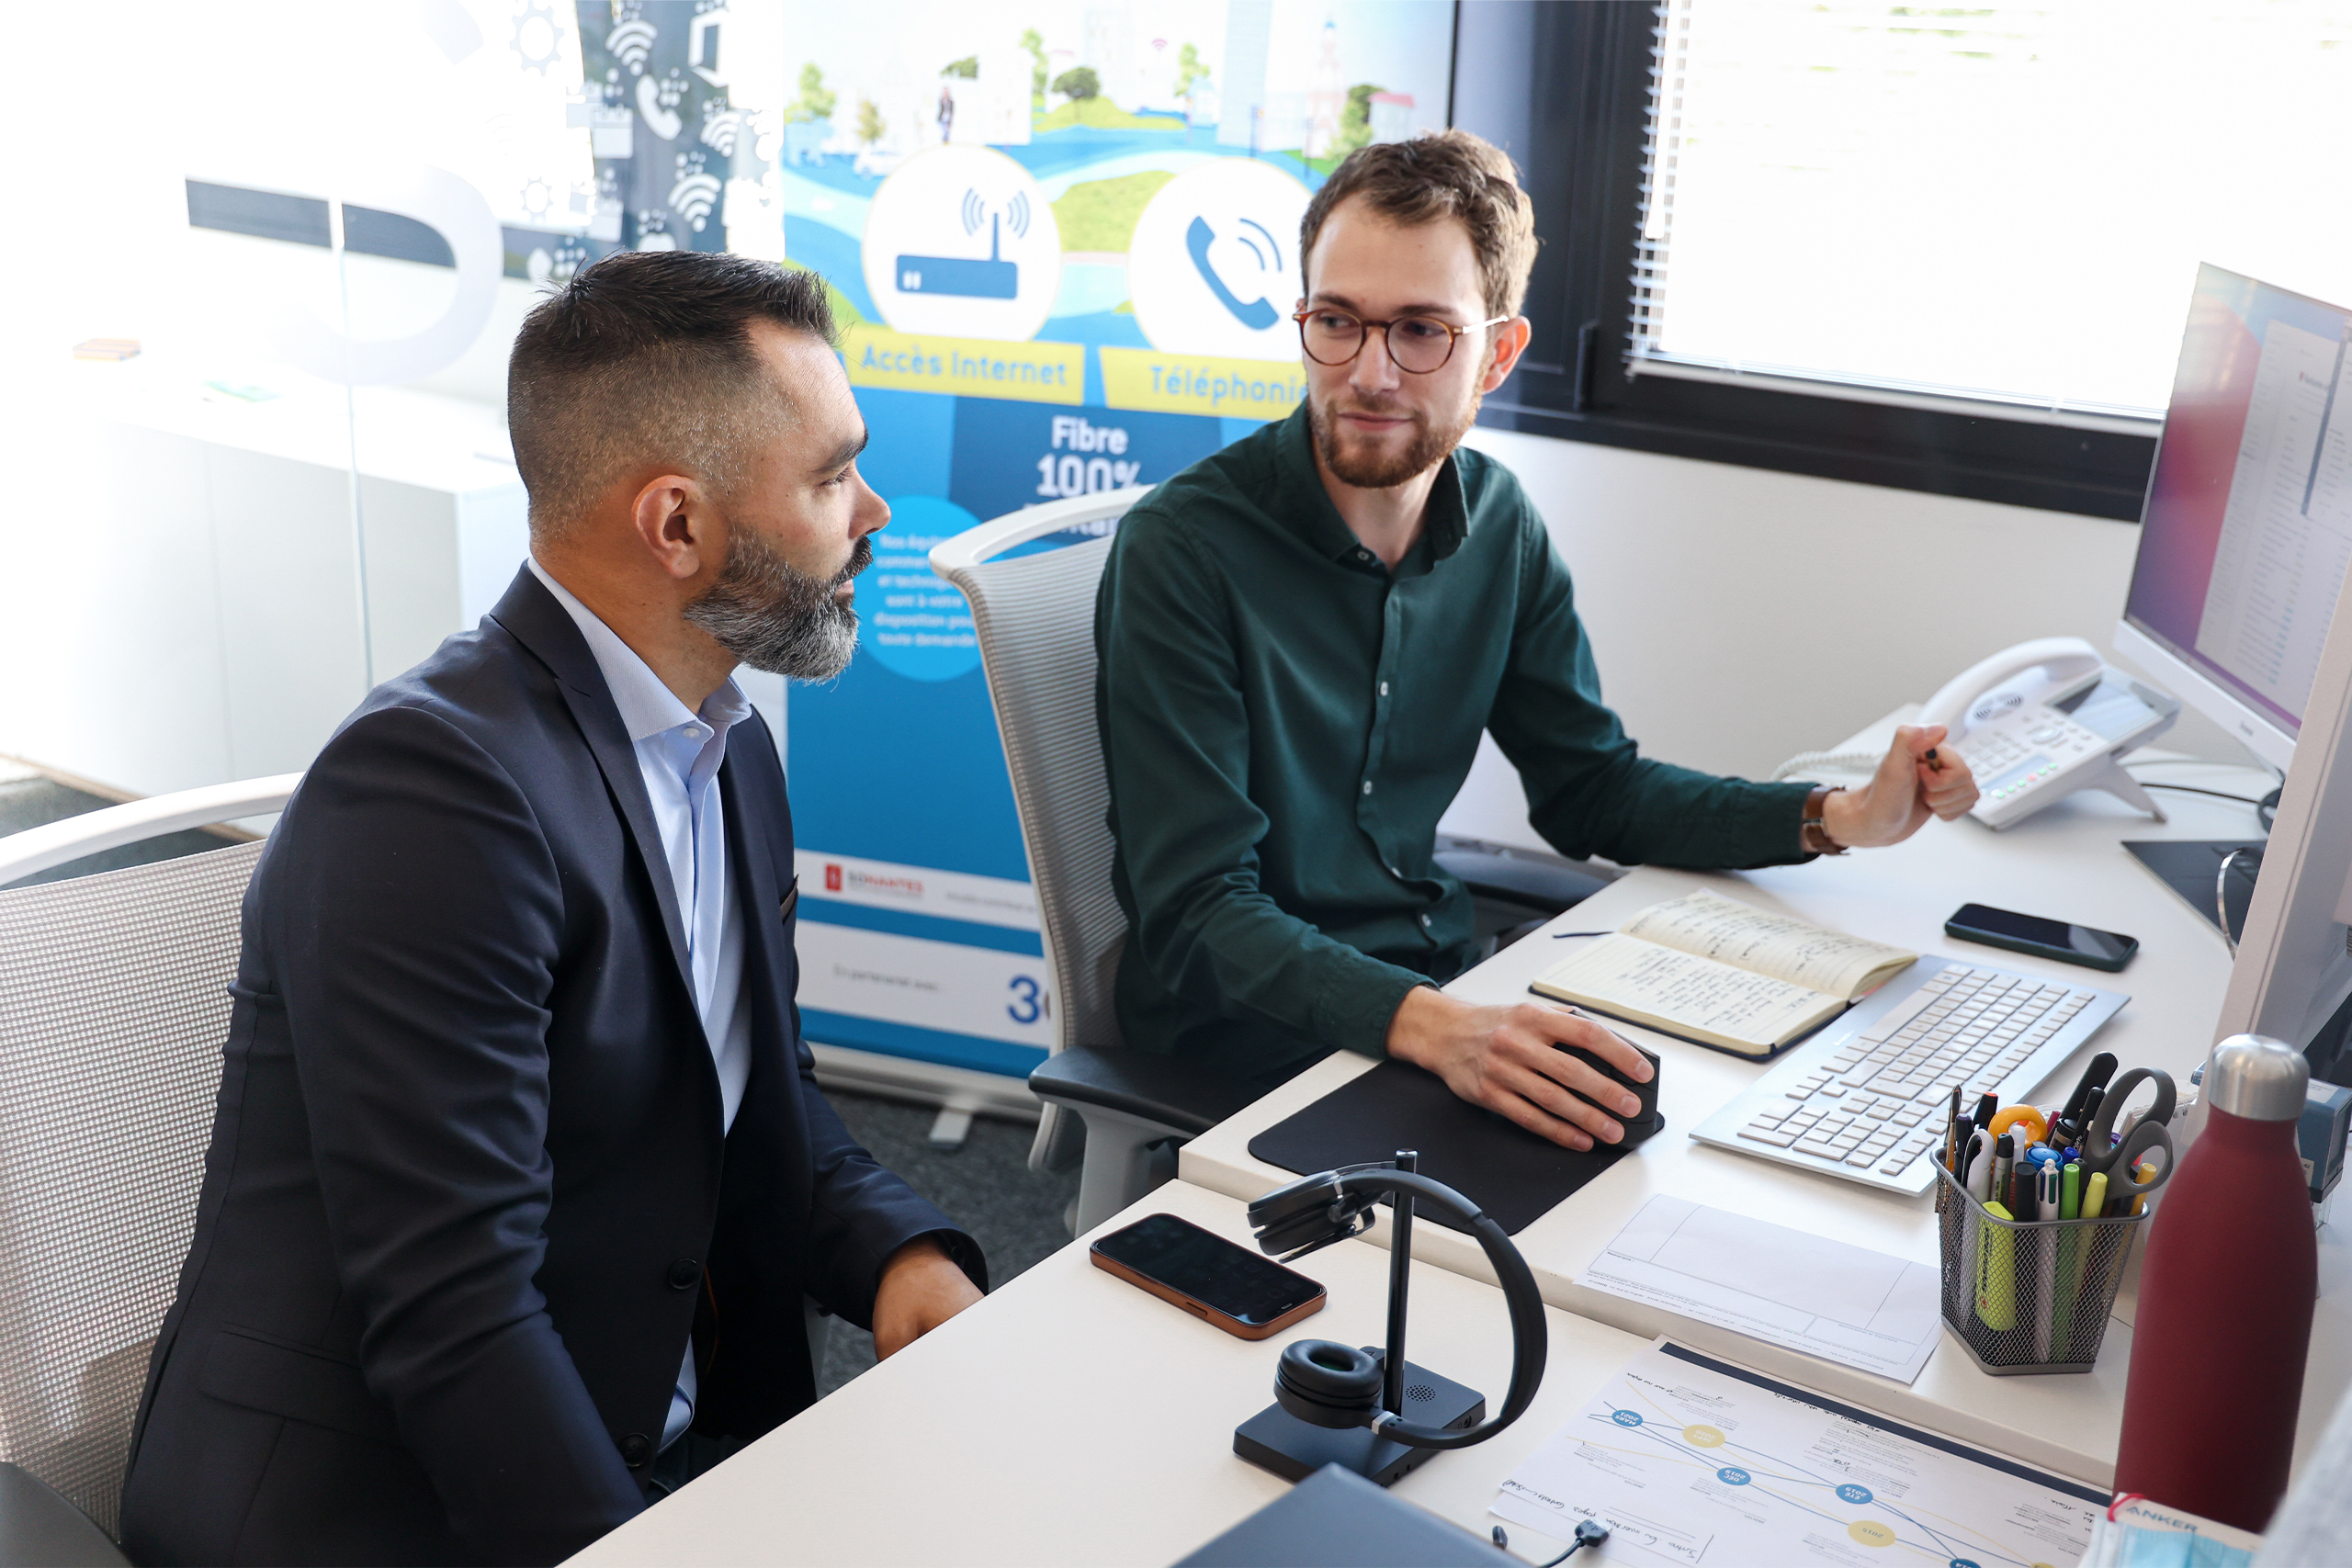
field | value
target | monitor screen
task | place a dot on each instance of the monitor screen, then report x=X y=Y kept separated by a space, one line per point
x=2248 y=527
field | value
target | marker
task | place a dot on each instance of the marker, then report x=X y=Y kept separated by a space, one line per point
x=2095 y=1196
x=2070 y=1193
x=2096 y=1076
x=1987 y=1107
x=2004 y=1167
x=1976 y=1165
x=1996 y=1291
x=2146 y=1176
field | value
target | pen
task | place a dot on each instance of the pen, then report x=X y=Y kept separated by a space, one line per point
x=1976 y=1165
x=2050 y=1319
x=2101 y=1069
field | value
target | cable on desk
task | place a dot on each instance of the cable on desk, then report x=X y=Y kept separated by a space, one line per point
x=1589 y=1532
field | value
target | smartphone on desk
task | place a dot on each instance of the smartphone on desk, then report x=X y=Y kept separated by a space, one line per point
x=1208 y=1276
x=2086 y=945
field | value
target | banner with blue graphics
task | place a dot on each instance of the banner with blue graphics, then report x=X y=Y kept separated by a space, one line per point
x=1061 y=239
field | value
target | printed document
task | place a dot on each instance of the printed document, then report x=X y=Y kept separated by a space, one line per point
x=1826 y=1298
x=1691 y=1460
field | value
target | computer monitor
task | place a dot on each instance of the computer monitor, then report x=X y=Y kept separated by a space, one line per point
x=2248 y=530
x=2293 y=971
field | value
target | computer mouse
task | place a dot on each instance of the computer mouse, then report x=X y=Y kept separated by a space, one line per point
x=1644 y=1124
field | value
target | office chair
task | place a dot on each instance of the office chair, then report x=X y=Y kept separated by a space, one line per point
x=1035 y=613
x=113 y=1006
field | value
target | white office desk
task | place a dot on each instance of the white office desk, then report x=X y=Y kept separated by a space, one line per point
x=2067 y=862
x=1070 y=1418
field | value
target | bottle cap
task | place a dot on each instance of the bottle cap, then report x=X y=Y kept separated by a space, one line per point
x=2257 y=1077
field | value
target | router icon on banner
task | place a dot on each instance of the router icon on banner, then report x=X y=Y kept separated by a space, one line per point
x=991 y=279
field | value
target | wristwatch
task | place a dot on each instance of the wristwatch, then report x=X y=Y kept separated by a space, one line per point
x=1812 y=836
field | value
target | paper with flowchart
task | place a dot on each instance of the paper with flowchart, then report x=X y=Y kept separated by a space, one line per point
x=1826 y=1298
x=1696 y=1463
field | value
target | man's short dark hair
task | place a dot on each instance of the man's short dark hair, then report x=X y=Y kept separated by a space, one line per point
x=646 y=358
x=1433 y=177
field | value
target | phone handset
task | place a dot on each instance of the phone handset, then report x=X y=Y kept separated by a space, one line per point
x=2068 y=663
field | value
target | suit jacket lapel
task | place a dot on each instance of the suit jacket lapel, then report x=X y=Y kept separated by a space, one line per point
x=542 y=625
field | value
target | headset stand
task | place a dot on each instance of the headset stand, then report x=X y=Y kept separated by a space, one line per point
x=1277 y=1440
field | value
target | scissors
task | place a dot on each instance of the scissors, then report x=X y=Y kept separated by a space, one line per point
x=2121 y=1161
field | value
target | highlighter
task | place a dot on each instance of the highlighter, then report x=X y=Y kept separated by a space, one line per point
x=1996 y=1289
x=2095 y=1196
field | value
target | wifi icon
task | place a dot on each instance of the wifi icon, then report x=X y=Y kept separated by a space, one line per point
x=693 y=198
x=720 y=130
x=631 y=43
x=974 y=212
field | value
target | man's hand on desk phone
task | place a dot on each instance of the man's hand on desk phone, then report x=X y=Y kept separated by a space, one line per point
x=1907 y=789
x=1508 y=1059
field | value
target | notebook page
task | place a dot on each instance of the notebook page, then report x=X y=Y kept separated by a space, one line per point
x=1644 y=981
x=1787 y=949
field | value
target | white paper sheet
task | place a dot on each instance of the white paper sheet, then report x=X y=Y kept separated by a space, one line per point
x=1843 y=1304
x=1692 y=1462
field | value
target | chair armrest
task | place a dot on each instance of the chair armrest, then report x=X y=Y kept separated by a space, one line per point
x=1146 y=1085
x=41 y=1529
x=1540 y=884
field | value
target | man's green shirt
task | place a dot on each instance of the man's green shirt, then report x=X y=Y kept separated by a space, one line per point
x=1284 y=720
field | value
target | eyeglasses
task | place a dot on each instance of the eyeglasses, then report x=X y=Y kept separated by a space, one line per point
x=1418 y=344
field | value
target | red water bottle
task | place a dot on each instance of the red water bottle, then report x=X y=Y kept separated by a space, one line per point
x=2225 y=1301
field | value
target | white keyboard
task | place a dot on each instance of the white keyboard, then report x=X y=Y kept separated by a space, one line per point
x=1867 y=1096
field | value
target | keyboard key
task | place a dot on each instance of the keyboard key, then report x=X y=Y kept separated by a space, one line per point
x=1859 y=1159
x=1778 y=1139
x=1816 y=1146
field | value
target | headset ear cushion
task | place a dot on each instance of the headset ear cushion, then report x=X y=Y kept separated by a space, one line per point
x=1325 y=1383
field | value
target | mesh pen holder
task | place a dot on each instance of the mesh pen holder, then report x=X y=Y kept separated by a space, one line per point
x=2029 y=1297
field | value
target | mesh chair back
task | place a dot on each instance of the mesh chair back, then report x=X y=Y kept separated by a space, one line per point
x=113 y=1006
x=1034 y=615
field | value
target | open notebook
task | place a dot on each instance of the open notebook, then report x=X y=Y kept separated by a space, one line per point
x=1721 y=972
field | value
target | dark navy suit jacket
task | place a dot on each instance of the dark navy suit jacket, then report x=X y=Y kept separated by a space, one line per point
x=468 y=1192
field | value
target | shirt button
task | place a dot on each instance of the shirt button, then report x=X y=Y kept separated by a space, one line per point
x=1383 y=688
x=1425 y=922
x=1364 y=555
x=684 y=1273
x=1367 y=786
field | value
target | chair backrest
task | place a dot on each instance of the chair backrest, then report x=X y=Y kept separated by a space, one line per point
x=113 y=1008
x=1035 y=613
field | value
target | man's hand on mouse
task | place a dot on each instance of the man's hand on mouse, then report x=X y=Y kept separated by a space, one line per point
x=1509 y=1060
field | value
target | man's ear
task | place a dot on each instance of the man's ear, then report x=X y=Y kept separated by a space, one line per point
x=676 y=524
x=1511 y=342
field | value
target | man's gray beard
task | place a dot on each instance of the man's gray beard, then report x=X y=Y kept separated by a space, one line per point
x=774 y=616
x=1428 y=447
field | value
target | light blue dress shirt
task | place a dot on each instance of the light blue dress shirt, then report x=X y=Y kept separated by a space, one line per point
x=678 y=754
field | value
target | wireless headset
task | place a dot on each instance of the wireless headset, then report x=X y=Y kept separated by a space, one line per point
x=1325 y=1383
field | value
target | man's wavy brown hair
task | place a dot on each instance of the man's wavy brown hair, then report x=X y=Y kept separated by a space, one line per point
x=1434 y=176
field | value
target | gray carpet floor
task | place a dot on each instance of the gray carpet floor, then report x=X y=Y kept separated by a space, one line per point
x=986 y=1186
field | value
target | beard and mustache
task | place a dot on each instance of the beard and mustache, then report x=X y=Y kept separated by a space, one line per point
x=1368 y=469
x=774 y=616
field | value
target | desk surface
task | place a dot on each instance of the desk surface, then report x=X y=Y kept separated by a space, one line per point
x=1070 y=1418
x=2067 y=862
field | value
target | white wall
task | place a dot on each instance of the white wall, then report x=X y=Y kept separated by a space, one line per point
x=1740 y=616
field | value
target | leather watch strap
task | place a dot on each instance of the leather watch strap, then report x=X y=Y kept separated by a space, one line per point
x=1813 y=834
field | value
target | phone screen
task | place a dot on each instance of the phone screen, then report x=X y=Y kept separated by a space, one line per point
x=1209 y=1268
x=2088 y=940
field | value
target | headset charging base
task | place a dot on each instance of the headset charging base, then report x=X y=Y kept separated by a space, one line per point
x=1275 y=1439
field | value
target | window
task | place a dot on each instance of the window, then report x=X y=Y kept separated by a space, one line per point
x=1942 y=247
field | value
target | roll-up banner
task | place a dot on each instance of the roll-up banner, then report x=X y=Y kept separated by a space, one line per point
x=1062 y=243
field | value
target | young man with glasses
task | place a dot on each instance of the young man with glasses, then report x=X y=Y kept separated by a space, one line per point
x=1301 y=639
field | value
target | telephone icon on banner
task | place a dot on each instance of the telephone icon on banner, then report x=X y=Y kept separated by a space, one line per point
x=1257 y=315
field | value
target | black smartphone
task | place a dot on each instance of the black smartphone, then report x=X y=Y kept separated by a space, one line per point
x=1208 y=1276
x=2085 y=945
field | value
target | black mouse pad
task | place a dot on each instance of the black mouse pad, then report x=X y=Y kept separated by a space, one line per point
x=1510 y=1172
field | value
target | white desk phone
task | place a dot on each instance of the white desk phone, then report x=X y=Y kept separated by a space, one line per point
x=2035 y=723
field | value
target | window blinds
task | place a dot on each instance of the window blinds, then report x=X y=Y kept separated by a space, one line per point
x=1997 y=204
